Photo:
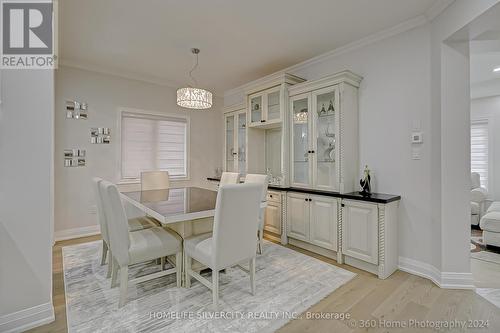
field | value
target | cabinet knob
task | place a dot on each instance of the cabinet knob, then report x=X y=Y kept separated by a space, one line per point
x=312 y=151
x=305 y=199
x=262 y=121
x=342 y=205
x=270 y=195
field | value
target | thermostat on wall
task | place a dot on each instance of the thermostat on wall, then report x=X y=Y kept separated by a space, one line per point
x=416 y=137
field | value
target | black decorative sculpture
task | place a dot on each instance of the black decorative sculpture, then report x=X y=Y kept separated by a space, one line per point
x=366 y=189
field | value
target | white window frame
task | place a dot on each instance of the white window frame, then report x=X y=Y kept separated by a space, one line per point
x=187 y=119
x=485 y=121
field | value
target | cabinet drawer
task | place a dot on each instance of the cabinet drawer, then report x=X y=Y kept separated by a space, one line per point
x=273 y=196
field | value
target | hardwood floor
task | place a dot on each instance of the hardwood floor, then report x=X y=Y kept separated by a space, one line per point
x=398 y=300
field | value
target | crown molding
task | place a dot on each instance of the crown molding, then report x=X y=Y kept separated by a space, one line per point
x=129 y=75
x=437 y=8
x=234 y=107
x=381 y=35
x=330 y=80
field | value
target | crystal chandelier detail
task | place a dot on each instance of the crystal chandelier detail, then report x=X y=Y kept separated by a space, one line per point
x=194 y=98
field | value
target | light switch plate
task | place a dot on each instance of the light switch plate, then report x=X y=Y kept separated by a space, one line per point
x=416 y=153
x=416 y=137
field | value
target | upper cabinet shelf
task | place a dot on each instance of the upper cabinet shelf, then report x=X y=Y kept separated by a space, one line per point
x=267 y=100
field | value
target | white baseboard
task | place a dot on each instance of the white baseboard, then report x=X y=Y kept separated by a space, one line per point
x=446 y=280
x=77 y=232
x=452 y=280
x=26 y=319
x=419 y=268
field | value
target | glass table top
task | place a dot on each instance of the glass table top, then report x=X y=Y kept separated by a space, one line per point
x=175 y=201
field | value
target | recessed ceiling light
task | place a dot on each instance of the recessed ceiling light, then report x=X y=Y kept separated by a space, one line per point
x=496 y=69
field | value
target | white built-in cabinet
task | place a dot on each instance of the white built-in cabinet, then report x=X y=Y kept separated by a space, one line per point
x=324 y=133
x=306 y=133
x=313 y=219
x=264 y=107
x=235 y=141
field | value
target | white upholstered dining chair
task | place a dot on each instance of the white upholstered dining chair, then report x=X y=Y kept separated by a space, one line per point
x=130 y=248
x=229 y=178
x=233 y=239
x=154 y=180
x=134 y=224
x=263 y=180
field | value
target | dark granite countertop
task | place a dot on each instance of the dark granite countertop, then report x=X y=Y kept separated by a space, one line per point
x=374 y=197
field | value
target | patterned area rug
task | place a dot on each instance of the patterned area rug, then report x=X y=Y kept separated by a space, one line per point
x=287 y=284
x=480 y=251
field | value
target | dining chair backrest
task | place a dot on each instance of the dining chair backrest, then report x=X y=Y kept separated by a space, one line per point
x=253 y=178
x=154 y=180
x=117 y=222
x=100 y=209
x=235 y=223
x=229 y=178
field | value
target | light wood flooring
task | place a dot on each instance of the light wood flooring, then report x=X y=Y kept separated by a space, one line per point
x=397 y=300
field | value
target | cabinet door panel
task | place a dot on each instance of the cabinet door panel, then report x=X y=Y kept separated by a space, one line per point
x=256 y=106
x=325 y=128
x=272 y=218
x=298 y=217
x=360 y=231
x=323 y=222
x=273 y=105
x=230 y=159
x=300 y=145
x=242 y=127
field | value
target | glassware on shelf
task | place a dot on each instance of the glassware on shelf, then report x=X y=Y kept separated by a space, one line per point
x=322 y=112
x=329 y=131
x=331 y=109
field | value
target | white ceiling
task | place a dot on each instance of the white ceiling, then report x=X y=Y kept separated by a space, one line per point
x=239 y=40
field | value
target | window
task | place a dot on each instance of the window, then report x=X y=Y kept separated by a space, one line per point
x=479 y=150
x=153 y=142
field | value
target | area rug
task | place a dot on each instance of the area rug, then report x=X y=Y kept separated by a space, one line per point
x=287 y=284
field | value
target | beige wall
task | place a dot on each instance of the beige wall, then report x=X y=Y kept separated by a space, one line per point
x=74 y=203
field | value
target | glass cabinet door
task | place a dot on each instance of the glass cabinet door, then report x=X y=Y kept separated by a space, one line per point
x=273 y=105
x=242 y=127
x=301 y=152
x=256 y=109
x=325 y=144
x=230 y=152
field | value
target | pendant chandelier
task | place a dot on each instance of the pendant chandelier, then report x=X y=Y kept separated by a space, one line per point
x=194 y=98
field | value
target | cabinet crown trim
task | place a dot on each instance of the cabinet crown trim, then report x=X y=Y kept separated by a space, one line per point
x=235 y=107
x=271 y=81
x=330 y=80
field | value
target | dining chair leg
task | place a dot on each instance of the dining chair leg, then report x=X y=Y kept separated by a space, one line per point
x=252 y=275
x=114 y=273
x=187 y=267
x=261 y=240
x=162 y=263
x=178 y=268
x=104 y=252
x=215 y=288
x=110 y=264
x=123 y=285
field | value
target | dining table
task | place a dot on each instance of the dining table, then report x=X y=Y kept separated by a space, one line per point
x=186 y=210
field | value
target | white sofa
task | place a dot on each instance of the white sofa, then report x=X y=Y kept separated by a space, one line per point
x=490 y=224
x=478 y=200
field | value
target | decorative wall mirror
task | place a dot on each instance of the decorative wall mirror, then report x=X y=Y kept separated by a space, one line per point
x=76 y=110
